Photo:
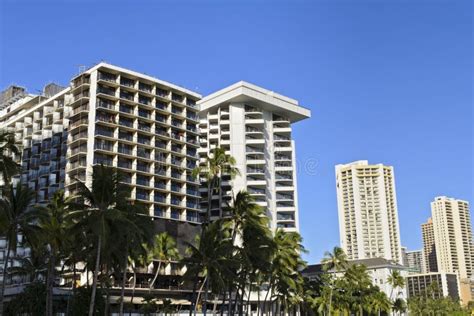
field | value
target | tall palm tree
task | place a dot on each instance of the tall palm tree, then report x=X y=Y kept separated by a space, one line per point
x=395 y=280
x=399 y=306
x=8 y=167
x=209 y=258
x=16 y=217
x=55 y=234
x=257 y=245
x=102 y=210
x=337 y=261
x=133 y=241
x=164 y=250
x=359 y=283
x=217 y=164
x=286 y=281
x=379 y=302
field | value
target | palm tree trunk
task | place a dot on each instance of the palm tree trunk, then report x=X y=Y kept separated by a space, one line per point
x=5 y=267
x=199 y=294
x=156 y=276
x=95 y=277
x=50 y=285
x=134 y=286
x=266 y=294
x=330 y=301
x=258 y=299
x=124 y=276
x=192 y=307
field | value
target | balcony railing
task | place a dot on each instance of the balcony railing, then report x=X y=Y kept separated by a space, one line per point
x=125 y=150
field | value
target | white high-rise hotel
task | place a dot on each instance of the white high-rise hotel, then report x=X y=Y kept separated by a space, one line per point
x=368 y=216
x=148 y=128
x=254 y=126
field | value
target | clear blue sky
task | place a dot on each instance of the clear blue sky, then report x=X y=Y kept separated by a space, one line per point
x=387 y=81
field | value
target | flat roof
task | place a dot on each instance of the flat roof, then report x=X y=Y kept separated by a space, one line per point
x=245 y=92
x=139 y=75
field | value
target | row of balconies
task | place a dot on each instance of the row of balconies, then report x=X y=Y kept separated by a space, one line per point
x=135 y=110
x=147 y=88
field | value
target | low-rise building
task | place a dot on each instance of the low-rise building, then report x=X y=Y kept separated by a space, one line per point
x=434 y=284
x=379 y=270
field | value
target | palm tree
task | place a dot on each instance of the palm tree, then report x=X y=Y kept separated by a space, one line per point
x=395 y=280
x=258 y=247
x=399 y=306
x=55 y=234
x=359 y=283
x=209 y=258
x=164 y=250
x=217 y=164
x=379 y=302
x=102 y=210
x=337 y=261
x=133 y=240
x=286 y=281
x=16 y=217
x=8 y=167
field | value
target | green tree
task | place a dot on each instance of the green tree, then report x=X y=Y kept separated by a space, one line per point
x=399 y=306
x=55 y=233
x=16 y=218
x=337 y=261
x=396 y=281
x=133 y=241
x=286 y=281
x=30 y=302
x=216 y=165
x=164 y=250
x=208 y=258
x=378 y=302
x=359 y=284
x=102 y=211
x=254 y=247
x=8 y=167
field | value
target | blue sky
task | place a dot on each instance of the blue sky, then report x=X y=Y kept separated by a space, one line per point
x=387 y=81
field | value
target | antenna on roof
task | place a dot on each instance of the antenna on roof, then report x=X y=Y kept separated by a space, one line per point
x=82 y=69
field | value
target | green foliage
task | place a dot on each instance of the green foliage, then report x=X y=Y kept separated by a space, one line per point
x=426 y=305
x=30 y=302
x=79 y=303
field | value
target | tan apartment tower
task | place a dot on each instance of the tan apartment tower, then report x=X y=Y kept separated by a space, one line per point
x=368 y=215
x=429 y=247
x=453 y=236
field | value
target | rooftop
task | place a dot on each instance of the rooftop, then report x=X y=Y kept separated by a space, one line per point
x=370 y=263
x=244 y=92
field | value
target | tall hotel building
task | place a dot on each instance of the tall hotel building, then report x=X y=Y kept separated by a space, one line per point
x=368 y=216
x=429 y=246
x=148 y=129
x=254 y=126
x=453 y=236
x=108 y=115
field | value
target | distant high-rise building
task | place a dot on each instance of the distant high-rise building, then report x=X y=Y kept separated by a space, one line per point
x=415 y=261
x=429 y=247
x=368 y=215
x=453 y=236
x=254 y=126
x=404 y=255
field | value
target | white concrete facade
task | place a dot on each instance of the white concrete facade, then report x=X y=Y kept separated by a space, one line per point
x=367 y=209
x=254 y=126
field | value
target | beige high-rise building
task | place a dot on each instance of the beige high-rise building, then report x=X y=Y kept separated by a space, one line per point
x=368 y=216
x=429 y=247
x=453 y=236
